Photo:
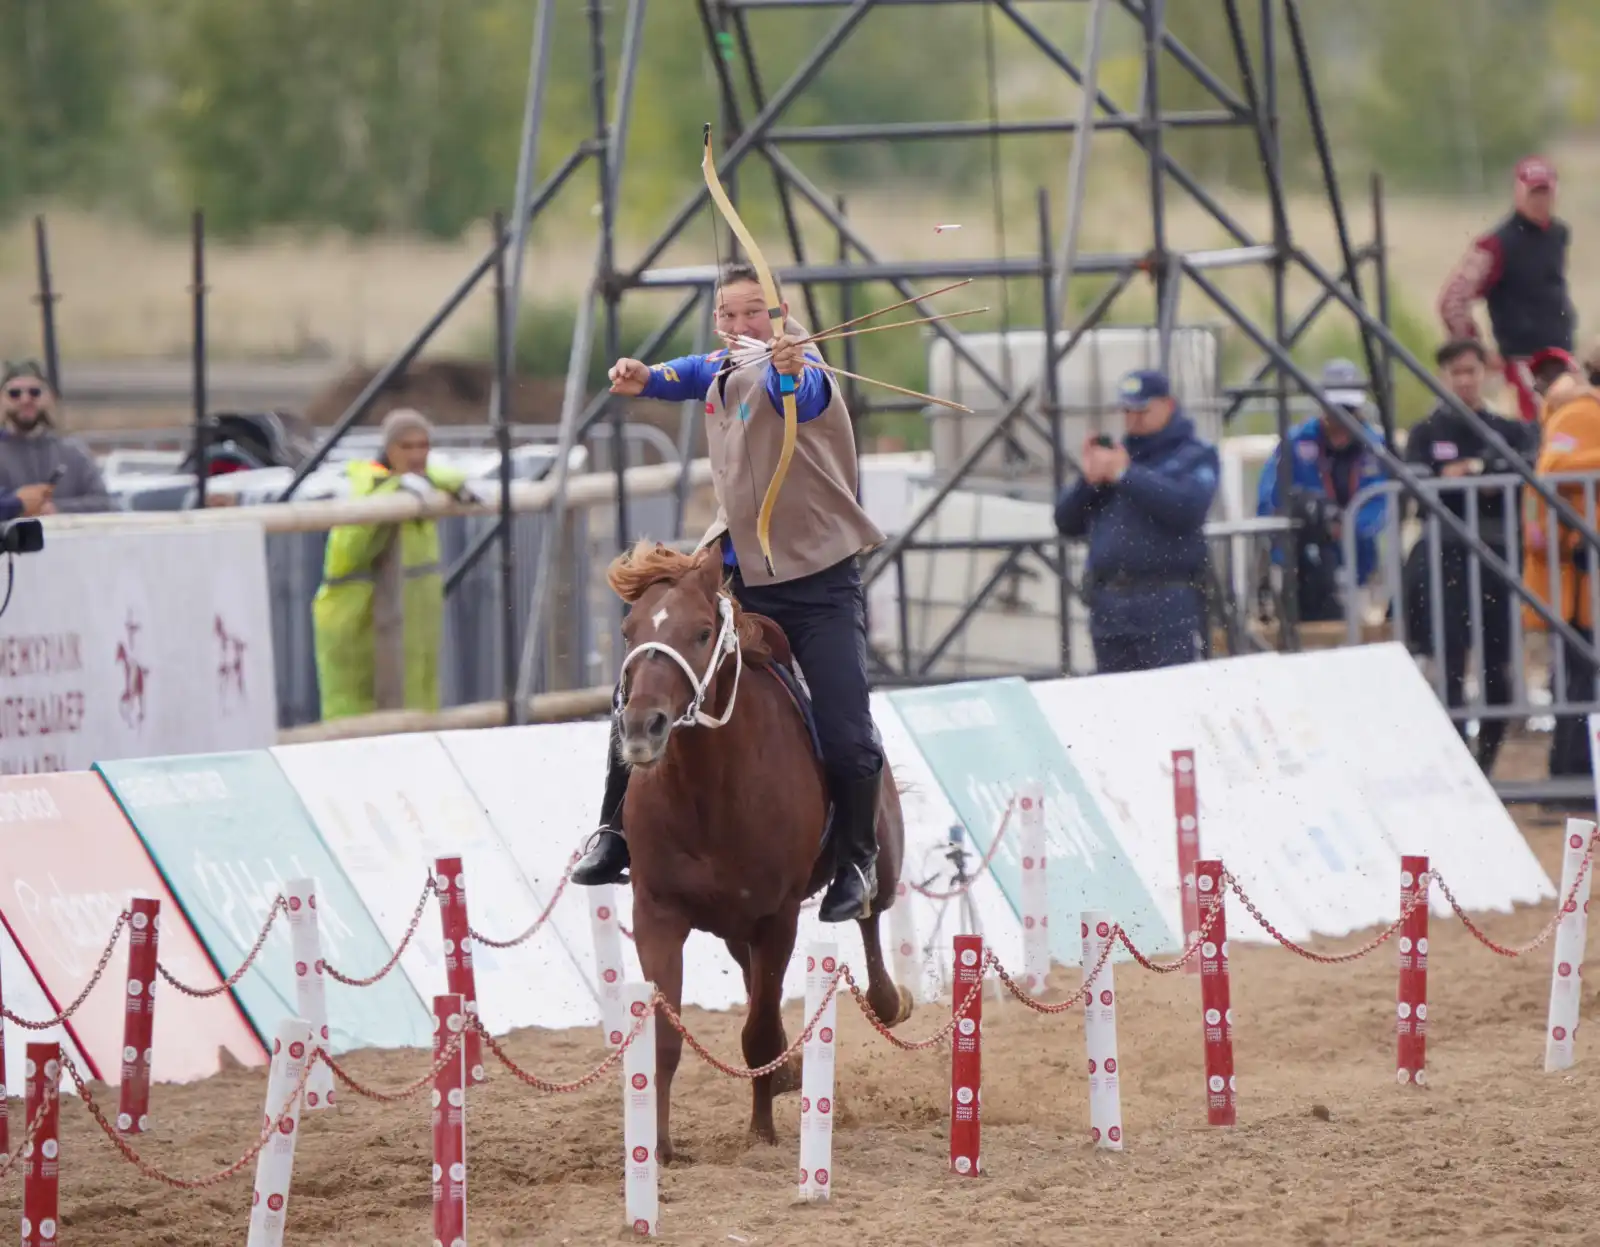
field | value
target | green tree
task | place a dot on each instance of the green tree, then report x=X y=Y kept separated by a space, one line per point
x=1457 y=90
x=61 y=79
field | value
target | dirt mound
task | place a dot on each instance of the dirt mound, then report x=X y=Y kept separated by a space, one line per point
x=1328 y=1150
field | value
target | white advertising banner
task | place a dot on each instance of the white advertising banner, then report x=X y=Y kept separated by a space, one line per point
x=386 y=807
x=1381 y=729
x=1293 y=831
x=133 y=644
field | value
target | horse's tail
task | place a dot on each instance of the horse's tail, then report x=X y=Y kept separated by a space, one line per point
x=901 y=786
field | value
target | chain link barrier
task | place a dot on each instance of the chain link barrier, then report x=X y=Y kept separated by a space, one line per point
x=280 y=905
x=272 y=1126
x=16 y=1157
x=105 y=959
x=1420 y=897
x=1188 y=955
x=1567 y=905
x=544 y=917
x=429 y=890
x=411 y=1090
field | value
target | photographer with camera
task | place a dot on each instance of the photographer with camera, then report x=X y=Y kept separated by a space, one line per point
x=1143 y=506
x=1329 y=465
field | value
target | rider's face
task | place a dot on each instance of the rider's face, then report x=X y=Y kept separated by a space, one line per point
x=742 y=310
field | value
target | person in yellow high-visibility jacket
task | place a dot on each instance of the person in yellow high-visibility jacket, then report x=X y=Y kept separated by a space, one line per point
x=342 y=611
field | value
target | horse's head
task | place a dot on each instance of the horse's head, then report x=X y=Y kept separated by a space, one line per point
x=681 y=630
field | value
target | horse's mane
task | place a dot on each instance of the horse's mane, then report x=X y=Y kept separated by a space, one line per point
x=651 y=563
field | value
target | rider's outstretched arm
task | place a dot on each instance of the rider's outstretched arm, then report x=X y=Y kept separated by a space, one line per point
x=679 y=380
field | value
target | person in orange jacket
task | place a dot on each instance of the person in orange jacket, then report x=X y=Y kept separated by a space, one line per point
x=1570 y=443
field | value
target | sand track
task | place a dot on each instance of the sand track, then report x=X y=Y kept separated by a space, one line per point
x=1493 y=1152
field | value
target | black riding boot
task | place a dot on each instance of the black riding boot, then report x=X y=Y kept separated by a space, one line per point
x=855 y=831
x=607 y=858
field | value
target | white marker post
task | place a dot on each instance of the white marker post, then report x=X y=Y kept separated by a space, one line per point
x=903 y=933
x=269 y=1206
x=640 y=1164
x=816 y=1078
x=1100 y=1034
x=1035 y=892
x=310 y=983
x=607 y=931
x=1572 y=935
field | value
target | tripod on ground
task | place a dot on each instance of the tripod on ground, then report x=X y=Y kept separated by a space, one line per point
x=956 y=885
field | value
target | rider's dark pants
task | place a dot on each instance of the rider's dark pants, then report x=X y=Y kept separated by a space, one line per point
x=824 y=616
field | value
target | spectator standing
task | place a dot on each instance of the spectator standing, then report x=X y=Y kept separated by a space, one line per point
x=1143 y=507
x=1519 y=270
x=346 y=610
x=1329 y=465
x=36 y=462
x=1448 y=445
x=1571 y=443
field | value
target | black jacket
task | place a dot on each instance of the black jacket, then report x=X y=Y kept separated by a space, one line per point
x=1529 y=307
x=1447 y=437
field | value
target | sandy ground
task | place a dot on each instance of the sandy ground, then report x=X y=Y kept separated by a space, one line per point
x=1494 y=1151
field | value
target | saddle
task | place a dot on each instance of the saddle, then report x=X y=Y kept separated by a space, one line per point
x=780 y=665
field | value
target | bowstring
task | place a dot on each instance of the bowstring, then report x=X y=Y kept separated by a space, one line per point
x=729 y=368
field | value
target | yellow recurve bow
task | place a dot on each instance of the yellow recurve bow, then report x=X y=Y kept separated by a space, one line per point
x=786 y=384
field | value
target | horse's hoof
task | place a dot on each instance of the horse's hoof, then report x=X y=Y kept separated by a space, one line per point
x=907 y=1005
x=787 y=1077
x=766 y=1135
x=664 y=1153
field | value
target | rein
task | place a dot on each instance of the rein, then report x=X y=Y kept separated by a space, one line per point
x=700 y=686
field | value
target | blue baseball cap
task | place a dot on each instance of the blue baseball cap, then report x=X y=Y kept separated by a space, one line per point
x=1139 y=389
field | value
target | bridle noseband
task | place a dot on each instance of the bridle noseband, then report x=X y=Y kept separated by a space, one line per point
x=727 y=643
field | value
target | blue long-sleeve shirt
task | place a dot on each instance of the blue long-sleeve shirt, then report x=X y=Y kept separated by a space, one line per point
x=691 y=377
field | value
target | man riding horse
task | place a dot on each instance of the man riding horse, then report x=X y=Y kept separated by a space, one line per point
x=808 y=582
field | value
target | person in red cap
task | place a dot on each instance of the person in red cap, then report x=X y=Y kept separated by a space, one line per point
x=1519 y=270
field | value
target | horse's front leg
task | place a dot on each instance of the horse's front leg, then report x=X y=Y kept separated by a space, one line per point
x=891 y=1002
x=763 y=1028
x=658 y=938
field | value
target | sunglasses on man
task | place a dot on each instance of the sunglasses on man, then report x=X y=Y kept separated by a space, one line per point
x=18 y=392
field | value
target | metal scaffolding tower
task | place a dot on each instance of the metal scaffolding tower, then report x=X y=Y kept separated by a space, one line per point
x=1268 y=42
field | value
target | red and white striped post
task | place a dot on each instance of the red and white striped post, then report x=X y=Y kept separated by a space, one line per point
x=450 y=1018
x=966 y=1060
x=1411 y=1021
x=138 y=1020
x=1186 y=812
x=459 y=976
x=1214 y=994
x=310 y=983
x=641 y=1167
x=1572 y=937
x=292 y=1047
x=41 y=1170
x=5 y=1124
x=1100 y=1035
x=816 y=1077
x=606 y=929
x=1035 y=893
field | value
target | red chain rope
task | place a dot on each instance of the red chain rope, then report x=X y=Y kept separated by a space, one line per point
x=777 y=1062
x=537 y=922
x=188 y=1184
x=105 y=958
x=983 y=864
x=1084 y=993
x=1512 y=950
x=401 y=1094
x=428 y=890
x=1189 y=954
x=561 y=1088
x=911 y=1045
x=1419 y=897
x=279 y=906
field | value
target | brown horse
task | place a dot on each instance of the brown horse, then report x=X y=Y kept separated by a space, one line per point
x=725 y=807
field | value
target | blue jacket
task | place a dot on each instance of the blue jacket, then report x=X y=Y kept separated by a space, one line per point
x=1313 y=471
x=692 y=376
x=1150 y=525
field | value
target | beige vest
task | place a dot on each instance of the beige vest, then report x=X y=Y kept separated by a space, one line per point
x=816 y=521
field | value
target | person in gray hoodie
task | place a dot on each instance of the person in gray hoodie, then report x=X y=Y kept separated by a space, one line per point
x=34 y=455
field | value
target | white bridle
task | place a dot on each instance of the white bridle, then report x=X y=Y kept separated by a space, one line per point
x=727 y=643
